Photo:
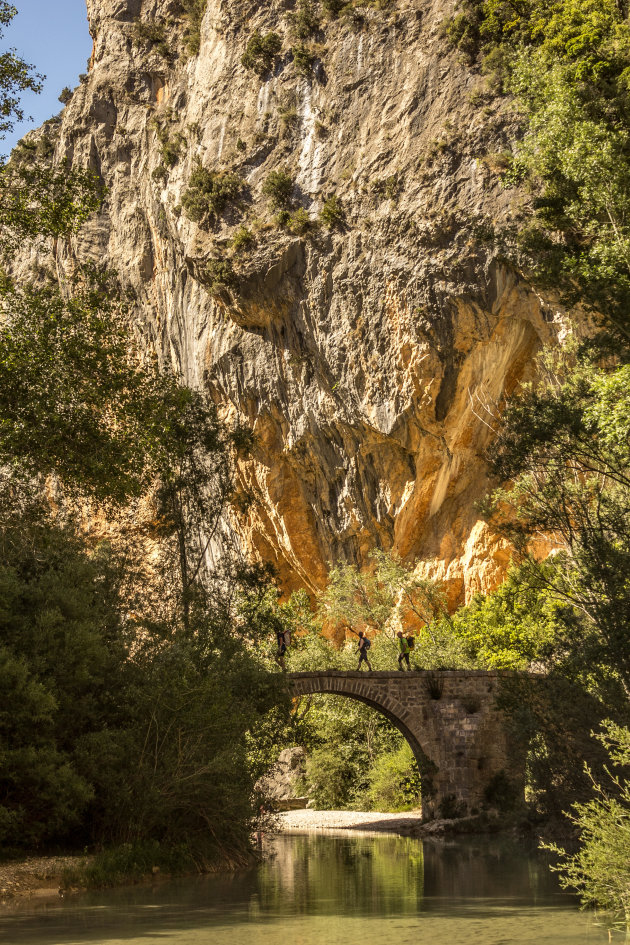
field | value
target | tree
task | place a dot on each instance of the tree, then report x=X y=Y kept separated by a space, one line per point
x=564 y=446
x=133 y=665
x=76 y=397
x=375 y=599
x=15 y=76
x=600 y=870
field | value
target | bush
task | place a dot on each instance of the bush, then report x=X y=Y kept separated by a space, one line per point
x=332 y=214
x=298 y=222
x=501 y=793
x=153 y=33
x=160 y=174
x=387 y=187
x=170 y=145
x=394 y=781
x=219 y=274
x=209 y=192
x=242 y=239
x=278 y=188
x=129 y=862
x=304 y=22
x=193 y=11
x=65 y=96
x=462 y=33
x=332 y=8
x=261 y=52
x=600 y=870
x=303 y=59
x=329 y=779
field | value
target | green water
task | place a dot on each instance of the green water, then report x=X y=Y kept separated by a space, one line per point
x=331 y=890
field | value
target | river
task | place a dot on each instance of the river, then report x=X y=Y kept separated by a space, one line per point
x=331 y=890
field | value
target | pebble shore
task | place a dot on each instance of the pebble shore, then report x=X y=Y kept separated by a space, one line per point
x=36 y=876
x=407 y=824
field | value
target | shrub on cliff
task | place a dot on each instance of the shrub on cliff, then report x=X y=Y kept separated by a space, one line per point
x=304 y=22
x=303 y=59
x=332 y=8
x=194 y=12
x=209 y=192
x=278 y=188
x=151 y=33
x=261 y=52
x=332 y=213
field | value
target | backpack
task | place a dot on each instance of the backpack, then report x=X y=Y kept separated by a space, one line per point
x=366 y=643
x=411 y=642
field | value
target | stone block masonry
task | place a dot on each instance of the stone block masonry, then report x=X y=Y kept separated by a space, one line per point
x=451 y=720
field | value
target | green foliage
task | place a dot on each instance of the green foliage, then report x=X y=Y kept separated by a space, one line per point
x=501 y=793
x=171 y=143
x=278 y=188
x=462 y=31
x=332 y=8
x=209 y=192
x=394 y=781
x=512 y=628
x=160 y=174
x=218 y=275
x=600 y=870
x=15 y=76
x=568 y=66
x=152 y=33
x=303 y=59
x=66 y=95
x=351 y=749
x=36 y=201
x=297 y=222
x=568 y=423
x=387 y=188
x=119 y=734
x=371 y=600
x=128 y=862
x=261 y=52
x=332 y=213
x=243 y=240
x=75 y=399
x=304 y=22
x=194 y=11
x=329 y=778
x=132 y=672
x=58 y=658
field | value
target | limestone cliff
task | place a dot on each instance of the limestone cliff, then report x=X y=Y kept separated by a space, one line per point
x=362 y=354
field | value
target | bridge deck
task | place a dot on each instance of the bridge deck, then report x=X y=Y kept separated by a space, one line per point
x=409 y=674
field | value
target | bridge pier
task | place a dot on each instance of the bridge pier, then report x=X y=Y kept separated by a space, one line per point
x=450 y=719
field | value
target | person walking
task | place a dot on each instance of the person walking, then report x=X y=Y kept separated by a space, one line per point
x=404 y=649
x=364 y=646
x=283 y=639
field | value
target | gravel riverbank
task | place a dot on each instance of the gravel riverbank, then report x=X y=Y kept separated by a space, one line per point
x=408 y=824
x=36 y=876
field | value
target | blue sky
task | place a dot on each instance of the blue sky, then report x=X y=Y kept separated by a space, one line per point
x=53 y=36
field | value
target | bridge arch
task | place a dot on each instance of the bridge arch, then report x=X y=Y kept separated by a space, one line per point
x=385 y=703
x=451 y=721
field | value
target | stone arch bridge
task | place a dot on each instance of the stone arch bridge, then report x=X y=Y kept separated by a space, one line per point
x=450 y=718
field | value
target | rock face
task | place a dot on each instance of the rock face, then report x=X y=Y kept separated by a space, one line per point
x=366 y=356
x=279 y=784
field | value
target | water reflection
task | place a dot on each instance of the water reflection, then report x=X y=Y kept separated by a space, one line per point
x=322 y=889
